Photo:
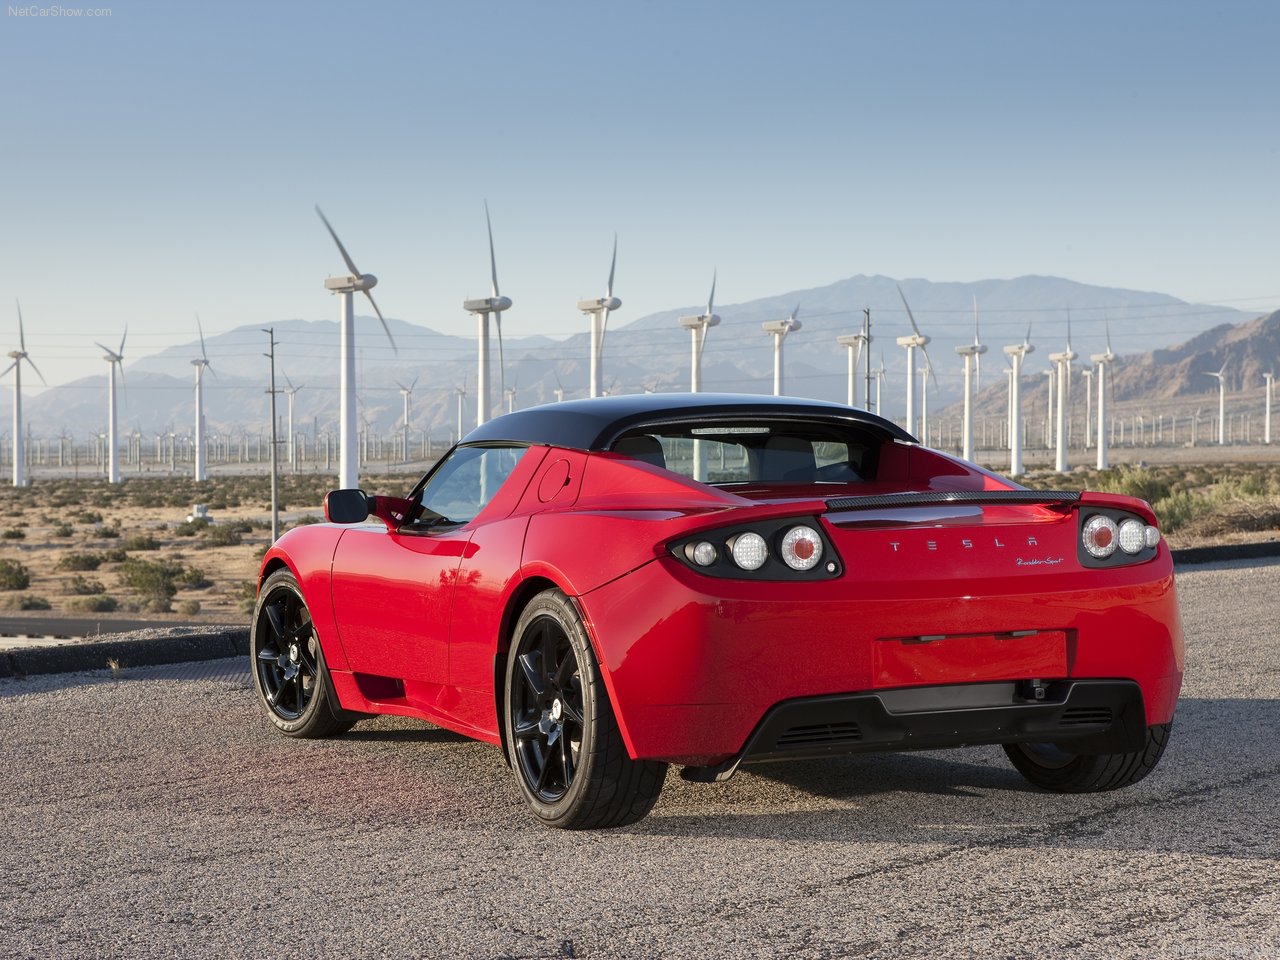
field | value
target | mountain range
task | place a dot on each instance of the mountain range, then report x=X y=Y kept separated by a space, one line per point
x=653 y=352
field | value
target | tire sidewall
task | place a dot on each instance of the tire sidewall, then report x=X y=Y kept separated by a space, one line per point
x=555 y=604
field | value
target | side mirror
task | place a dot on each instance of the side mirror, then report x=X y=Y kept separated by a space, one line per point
x=346 y=506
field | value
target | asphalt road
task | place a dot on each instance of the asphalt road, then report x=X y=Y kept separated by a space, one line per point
x=157 y=815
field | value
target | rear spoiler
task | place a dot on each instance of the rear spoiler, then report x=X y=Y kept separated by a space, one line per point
x=924 y=498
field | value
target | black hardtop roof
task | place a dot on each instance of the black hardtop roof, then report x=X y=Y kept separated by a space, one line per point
x=595 y=423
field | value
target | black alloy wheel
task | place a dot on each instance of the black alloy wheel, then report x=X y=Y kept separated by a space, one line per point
x=288 y=664
x=559 y=730
x=546 y=703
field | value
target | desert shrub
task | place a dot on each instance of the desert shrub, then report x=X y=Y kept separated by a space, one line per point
x=193 y=578
x=223 y=536
x=155 y=583
x=188 y=608
x=143 y=541
x=188 y=528
x=82 y=586
x=109 y=533
x=13 y=534
x=1179 y=509
x=80 y=561
x=87 y=517
x=307 y=519
x=62 y=530
x=248 y=596
x=13 y=575
x=29 y=601
x=115 y=555
x=98 y=603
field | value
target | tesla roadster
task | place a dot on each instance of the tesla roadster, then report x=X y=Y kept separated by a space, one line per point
x=606 y=587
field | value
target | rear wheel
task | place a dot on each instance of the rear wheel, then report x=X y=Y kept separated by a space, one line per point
x=562 y=738
x=1050 y=767
x=289 y=672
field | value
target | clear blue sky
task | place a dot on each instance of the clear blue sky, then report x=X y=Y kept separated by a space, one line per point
x=165 y=159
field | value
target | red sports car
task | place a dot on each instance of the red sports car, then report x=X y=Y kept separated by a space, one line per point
x=605 y=587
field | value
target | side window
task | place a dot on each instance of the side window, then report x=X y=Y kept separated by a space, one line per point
x=466 y=482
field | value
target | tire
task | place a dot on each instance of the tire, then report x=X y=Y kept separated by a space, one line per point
x=288 y=665
x=1049 y=767
x=562 y=739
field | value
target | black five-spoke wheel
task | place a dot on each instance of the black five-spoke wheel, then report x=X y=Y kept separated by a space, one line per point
x=547 y=709
x=561 y=735
x=288 y=664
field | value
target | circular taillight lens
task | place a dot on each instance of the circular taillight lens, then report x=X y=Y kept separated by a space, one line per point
x=1099 y=536
x=749 y=551
x=1132 y=536
x=704 y=554
x=1151 y=536
x=801 y=548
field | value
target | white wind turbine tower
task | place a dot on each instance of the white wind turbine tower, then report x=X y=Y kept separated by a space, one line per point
x=290 y=392
x=1063 y=363
x=200 y=363
x=926 y=374
x=1266 y=428
x=116 y=359
x=856 y=343
x=1087 y=373
x=344 y=287
x=405 y=394
x=493 y=305
x=916 y=339
x=879 y=374
x=462 y=399
x=778 y=329
x=1016 y=352
x=19 y=444
x=972 y=354
x=1222 y=402
x=698 y=326
x=598 y=310
x=1100 y=363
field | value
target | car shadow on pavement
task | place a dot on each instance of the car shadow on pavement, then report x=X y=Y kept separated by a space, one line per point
x=1221 y=767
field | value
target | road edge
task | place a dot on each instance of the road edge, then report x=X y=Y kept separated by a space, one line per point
x=148 y=652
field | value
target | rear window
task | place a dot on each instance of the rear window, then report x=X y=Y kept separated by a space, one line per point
x=754 y=452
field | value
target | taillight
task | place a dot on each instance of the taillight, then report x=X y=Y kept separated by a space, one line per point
x=774 y=549
x=801 y=548
x=749 y=551
x=1110 y=537
x=1099 y=536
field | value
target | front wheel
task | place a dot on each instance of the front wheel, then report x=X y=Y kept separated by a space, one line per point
x=562 y=738
x=289 y=672
x=1050 y=767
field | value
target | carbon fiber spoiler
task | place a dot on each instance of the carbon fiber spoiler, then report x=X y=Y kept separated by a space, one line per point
x=977 y=497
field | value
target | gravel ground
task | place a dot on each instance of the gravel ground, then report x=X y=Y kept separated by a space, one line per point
x=157 y=815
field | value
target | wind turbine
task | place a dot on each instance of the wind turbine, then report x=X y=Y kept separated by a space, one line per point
x=1087 y=373
x=406 y=393
x=916 y=339
x=290 y=392
x=200 y=363
x=856 y=343
x=1016 y=352
x=698 y=326
x=879 y=374
x=1100 y=363
x=19 y=446
x=462 y=397
x=1266 y=428
x=510 y=394
x=493 y=305
x=598 y=310
x=344 y=287
x=1063 y=363
x=1222 y=402
x=972 y=354
x=559 y=387
x=778 y=329
x=116 y=359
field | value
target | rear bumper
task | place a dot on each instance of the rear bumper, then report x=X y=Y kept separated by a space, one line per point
x=693 y=667
x=1092 y=716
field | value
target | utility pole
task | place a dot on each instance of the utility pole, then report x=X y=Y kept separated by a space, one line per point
x=275 y=479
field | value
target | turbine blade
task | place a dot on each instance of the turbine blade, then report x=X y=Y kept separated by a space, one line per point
x=120 y=352
x=977 y=388
x=385 y=329
x=200 y=330
x=22 y=337
x=928 y=365
x=794 y=312
x=35 y=368
x=910 y=315
x=1026 y=341
x=1107 y=323
x=612 y=264
x=502 y=361
x=977 y=337
x=413 y=383
x=101 y=347
x=9 y=367
x=711 y=301
x=346 y=257
x=493 y=260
